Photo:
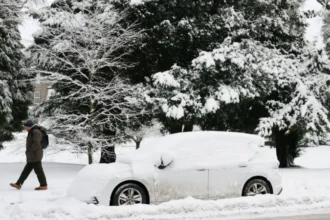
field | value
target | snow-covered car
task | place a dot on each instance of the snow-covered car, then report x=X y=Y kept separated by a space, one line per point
x=203 y=165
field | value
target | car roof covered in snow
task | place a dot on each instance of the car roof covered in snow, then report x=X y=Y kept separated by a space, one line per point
x=202 y=149
x=232 y=137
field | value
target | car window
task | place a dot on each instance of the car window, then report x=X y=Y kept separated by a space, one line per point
x=210 y=151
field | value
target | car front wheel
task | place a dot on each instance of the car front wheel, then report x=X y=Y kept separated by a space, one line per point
x=256 y=187
x=129 y=194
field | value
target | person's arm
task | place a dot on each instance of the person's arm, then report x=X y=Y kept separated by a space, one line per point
x=36 y=140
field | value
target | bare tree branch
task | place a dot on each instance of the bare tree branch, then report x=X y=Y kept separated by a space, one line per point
x=84 y=55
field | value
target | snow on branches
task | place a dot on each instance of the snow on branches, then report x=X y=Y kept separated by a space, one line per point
x=223 y=76
x=304 y=107
x=249 y=70
x=80 y=51
x=15 y=81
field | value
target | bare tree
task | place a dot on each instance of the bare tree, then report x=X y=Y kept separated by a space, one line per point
x=81 y=51
x=145 y=131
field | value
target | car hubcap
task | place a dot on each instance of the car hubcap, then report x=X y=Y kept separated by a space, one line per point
x=130 y=196
x=256 y=189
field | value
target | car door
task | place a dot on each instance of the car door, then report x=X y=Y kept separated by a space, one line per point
x=170 y=184
x=227 y=182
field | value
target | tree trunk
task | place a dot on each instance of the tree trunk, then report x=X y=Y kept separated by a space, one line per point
x=90 y=153
x=287 y=146
x=108 y=155
x=282 y=151
x=178 y=128
x=138 y=143
x=293 y=140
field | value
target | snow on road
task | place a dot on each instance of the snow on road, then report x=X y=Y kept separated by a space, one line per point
x=317 y=216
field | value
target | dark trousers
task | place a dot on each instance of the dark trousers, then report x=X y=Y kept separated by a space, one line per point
x=37 y=167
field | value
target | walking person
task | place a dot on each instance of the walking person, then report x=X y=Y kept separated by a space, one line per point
x=34 y=154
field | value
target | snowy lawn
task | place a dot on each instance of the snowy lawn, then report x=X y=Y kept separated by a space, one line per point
x=306 y=190
x=316 y=157
x=15 y=152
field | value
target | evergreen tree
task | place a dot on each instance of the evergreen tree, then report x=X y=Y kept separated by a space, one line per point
x=15 y=86
x=326 y=32
x=259 y=73
x=176 y=31
x=290 y=90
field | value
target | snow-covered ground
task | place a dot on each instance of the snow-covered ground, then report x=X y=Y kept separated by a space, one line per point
x=306 y=190
x=316 y=157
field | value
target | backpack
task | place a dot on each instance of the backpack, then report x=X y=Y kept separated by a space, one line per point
x=45 y=139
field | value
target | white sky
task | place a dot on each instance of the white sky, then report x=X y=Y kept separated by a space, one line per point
x=313 y=34
x=30 y=25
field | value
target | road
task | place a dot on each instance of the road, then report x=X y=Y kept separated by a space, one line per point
x=325 y=216
x=319 y=216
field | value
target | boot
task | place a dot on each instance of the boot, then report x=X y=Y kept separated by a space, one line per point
x=41 y=188
x=16 y=186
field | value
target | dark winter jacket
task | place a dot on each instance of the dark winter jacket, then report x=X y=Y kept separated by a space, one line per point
x=34 y=151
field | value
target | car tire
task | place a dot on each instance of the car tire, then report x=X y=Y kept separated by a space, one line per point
x=129 y=194
x=256 y=187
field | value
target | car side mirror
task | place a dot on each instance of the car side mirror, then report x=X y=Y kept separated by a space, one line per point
x=162 y=166
x=165 y=161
